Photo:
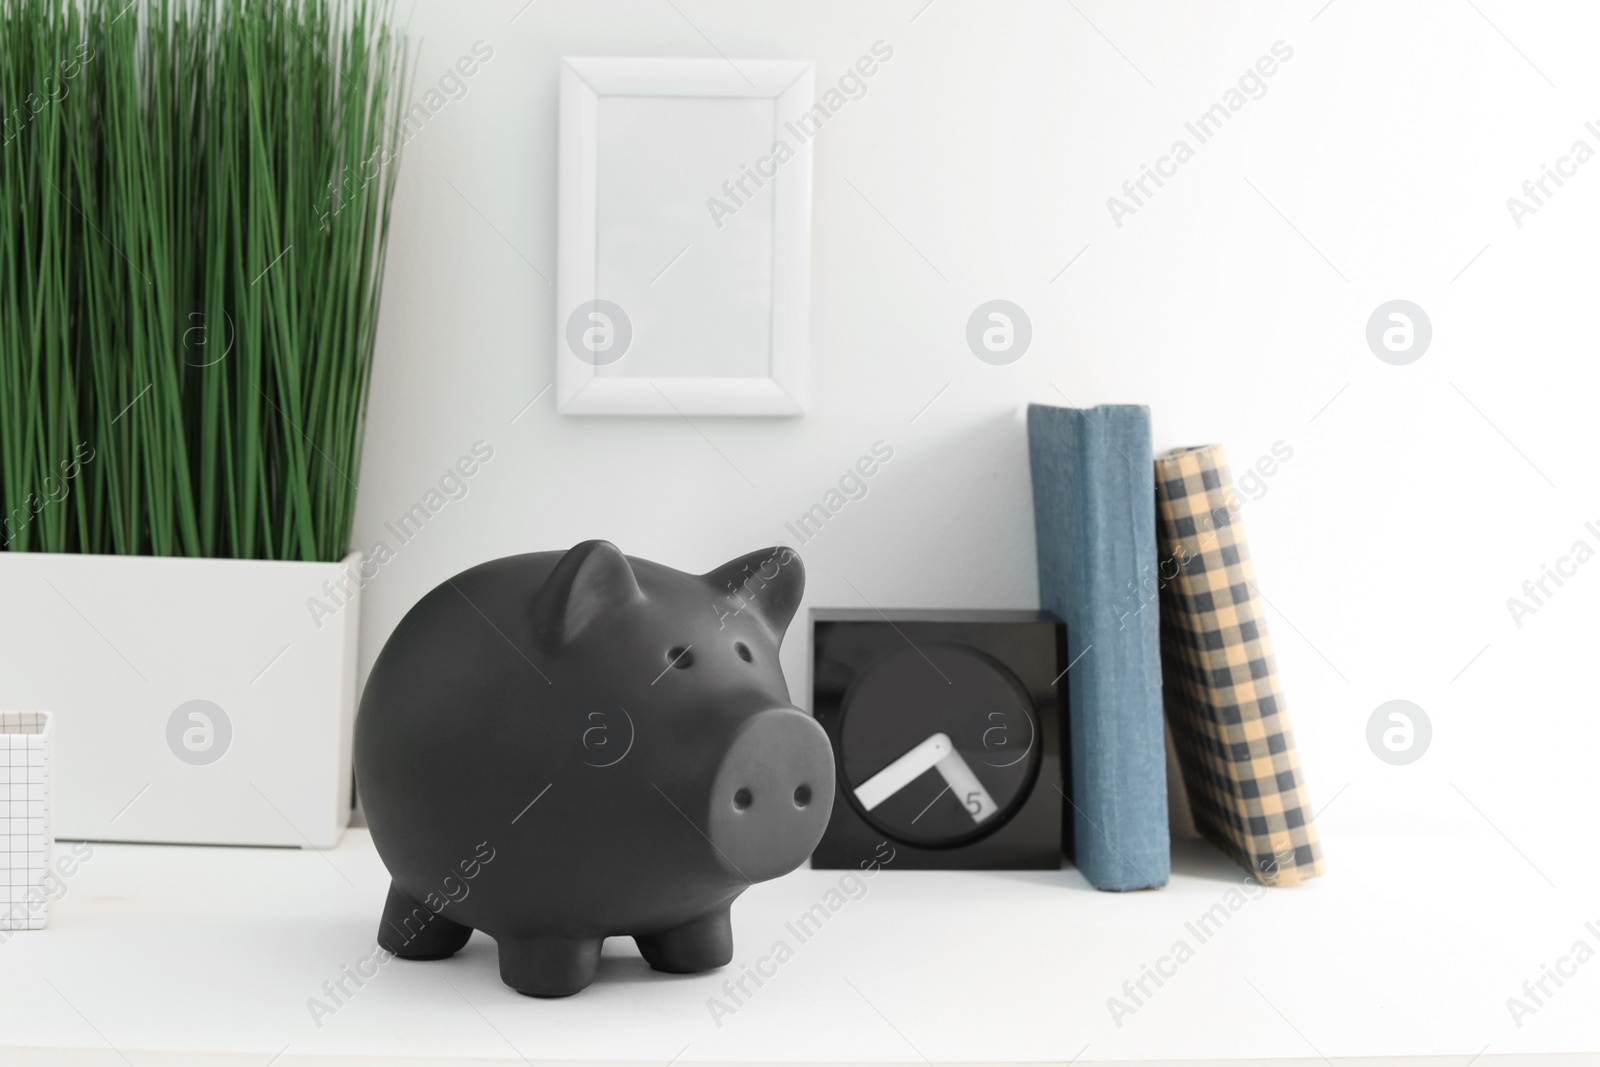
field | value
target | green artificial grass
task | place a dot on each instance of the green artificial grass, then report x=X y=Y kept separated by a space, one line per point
x=194 y=213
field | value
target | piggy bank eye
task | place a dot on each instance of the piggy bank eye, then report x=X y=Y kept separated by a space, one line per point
x=680 y=657
x=743 y=650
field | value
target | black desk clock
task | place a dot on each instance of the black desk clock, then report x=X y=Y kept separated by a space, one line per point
x=948 y=735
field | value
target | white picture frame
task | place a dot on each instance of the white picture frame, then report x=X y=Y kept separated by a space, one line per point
x=712 y=155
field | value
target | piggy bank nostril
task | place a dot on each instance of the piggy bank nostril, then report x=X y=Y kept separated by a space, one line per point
x=802 y=796
x=742 y=798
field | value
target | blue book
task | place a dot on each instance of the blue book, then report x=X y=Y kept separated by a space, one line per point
x=1094 y=512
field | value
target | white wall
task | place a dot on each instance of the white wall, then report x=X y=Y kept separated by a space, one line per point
x=1234 y=303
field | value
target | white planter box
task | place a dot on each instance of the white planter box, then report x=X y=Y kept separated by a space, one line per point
x=25 y=738
x=196 y=701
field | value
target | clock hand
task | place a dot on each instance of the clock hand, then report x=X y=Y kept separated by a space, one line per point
x=903 y=771
x=976 y=799
x=931 y=803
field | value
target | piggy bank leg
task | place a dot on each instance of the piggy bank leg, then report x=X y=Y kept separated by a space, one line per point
x=548 y=966
x=701 y=944
x=413 y=931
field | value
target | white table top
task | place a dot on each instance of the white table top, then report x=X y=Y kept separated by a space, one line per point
x=165 y=955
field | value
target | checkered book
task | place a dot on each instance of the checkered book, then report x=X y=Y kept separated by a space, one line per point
x=24 y=818
x=1222 y=698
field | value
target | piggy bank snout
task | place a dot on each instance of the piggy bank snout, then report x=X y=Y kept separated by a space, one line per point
x=772 y=795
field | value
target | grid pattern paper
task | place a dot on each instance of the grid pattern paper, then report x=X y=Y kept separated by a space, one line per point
x=1229 y=725
x=24 y=818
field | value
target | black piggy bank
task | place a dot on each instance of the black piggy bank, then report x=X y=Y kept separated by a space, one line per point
x=559 y=747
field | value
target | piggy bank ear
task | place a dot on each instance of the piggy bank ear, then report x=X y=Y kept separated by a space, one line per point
x=592 y=580
x=768 y=583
